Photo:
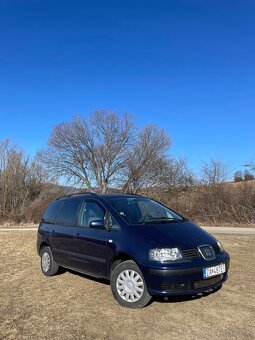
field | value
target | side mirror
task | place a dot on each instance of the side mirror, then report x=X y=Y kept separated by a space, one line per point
x=98 y=224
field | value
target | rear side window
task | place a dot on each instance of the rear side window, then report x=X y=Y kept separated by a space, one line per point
x=51 y=212
x=67 y=214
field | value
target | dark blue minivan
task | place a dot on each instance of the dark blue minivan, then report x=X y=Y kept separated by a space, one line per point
x=141 y=246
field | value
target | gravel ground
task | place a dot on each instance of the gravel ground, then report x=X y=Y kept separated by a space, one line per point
x=72 y=306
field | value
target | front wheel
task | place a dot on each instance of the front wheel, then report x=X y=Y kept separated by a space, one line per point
x=48 y=265
x=128 y=285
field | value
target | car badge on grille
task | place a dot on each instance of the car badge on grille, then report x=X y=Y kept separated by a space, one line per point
x=207 y=252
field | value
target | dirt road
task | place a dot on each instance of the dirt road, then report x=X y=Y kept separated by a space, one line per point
x=213 y=230
x=230 y=230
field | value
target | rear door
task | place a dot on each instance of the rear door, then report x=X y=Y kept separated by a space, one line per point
x=90 y=243
x=63 y=232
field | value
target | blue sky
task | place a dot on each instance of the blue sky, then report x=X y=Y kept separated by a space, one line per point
x=185 y=65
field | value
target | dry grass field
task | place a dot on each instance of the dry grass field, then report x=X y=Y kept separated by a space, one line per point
x=71 y=306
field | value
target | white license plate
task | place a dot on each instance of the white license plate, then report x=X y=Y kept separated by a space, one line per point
x=213 y=271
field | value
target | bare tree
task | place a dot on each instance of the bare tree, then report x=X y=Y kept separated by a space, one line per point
x=90 y=152
x=175 y=177
x=249 y=172
x=238 y=176
x=248 y=176
x=214 y=172
x=250 y=165
x=146 y=159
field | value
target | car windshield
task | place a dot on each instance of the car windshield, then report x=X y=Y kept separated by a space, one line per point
x=138 y=210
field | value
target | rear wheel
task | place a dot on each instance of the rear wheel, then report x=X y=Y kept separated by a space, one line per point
x=48 y=265
x=128 y=285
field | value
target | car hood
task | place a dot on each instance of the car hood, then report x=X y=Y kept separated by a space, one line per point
x=184 y=235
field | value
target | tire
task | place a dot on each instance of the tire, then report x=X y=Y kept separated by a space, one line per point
x=128 y=285
x=48 y=266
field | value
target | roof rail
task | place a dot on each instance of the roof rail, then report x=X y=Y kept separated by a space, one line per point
x=77 y=193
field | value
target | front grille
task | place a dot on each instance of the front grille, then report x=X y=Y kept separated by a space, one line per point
x=178 y=287
x=191 y=254
x=208 y=282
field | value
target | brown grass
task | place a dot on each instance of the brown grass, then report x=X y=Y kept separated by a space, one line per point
x=70 y=306
x=225 y=203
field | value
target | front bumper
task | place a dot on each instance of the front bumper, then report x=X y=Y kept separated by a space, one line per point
x=183 y=277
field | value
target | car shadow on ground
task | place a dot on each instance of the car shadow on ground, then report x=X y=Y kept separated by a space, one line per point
x=160 y=299
x=183 y=298
x=85 y=276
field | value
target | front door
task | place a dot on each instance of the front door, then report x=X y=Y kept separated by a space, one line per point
x=90 y=242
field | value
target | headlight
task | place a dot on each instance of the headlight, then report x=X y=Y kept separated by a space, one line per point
x=165 y=254
x=220 y=247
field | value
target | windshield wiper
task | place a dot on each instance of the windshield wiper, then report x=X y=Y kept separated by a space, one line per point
x=151 y=220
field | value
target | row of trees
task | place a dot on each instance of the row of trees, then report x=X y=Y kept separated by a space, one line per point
x=20 y=180
x=243 y=176
x=106 y=152
x=22 y=185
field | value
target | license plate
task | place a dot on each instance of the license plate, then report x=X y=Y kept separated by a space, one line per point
x=213 y=271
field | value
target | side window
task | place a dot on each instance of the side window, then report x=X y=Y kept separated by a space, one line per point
x=91 y=211
x=68 y=211
x=51 y=212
